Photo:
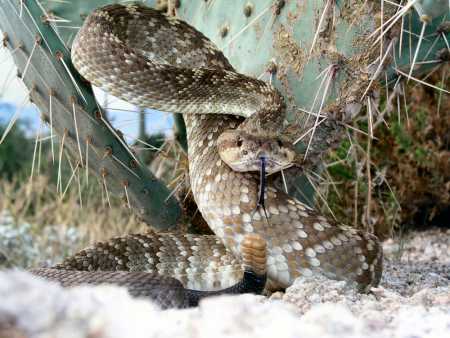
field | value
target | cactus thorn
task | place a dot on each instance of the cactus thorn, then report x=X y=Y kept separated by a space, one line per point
x=60 y=56
x=104 y=173
x=248 y=9
x=98 y=115
x=74 y=171
x=108 y=152
x=113 y=131
x=13 y=119
x=406 y=105
x=51 y=94
x=370 y=116
x=21 y=8
x=419 y=43
x=61 y=149
x=37 y=143
x=125 y=166
x=29 y=59
x=148 y=145
x=319 y=26
x=444 y=76
x=421 y=81
x=79 y=189
x=327 y=79
x=443 y=28
x=5 y=39
x=278 y=6
x=251 y=23
x=125 y=185
x=49 y=17
x=379 y=68
x=119 y=133
x=306 y=133
x=446 y=41
x=209 y=3
x=72 y=99
x=133 y=164
x=224 y=31
x=319 y=194
x=271 y=69
x=178 y=186
x=391 y=21
x=443 y=55
x=88 y=143
x=172 y=6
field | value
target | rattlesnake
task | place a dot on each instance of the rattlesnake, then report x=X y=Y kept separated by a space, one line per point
x=166 y=291
x=149 y=59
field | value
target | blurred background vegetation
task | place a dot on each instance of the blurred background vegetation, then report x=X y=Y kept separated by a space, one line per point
x=409 y=178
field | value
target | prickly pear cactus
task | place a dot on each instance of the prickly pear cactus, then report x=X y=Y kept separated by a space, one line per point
x=321 y=54
x=67 y=103
x=327 y=57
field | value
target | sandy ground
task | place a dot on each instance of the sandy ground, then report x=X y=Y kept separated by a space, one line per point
x=413 y=301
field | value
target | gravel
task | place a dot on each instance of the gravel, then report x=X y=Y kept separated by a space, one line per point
x=412 y=301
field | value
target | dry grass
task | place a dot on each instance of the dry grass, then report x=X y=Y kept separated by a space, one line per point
x=41 y=206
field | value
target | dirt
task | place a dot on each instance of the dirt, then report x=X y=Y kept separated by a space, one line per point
x=413 y=300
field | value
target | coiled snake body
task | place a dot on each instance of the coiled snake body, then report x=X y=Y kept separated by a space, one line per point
x=152 y=60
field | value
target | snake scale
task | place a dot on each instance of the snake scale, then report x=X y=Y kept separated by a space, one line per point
x=167 y=291
x=149 y=59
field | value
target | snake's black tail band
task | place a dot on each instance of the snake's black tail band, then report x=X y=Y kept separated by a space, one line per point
x=251 y=283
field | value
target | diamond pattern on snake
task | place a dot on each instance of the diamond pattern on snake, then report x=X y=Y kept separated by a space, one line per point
x=152 y=60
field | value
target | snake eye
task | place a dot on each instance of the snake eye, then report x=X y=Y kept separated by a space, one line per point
x=239 y=142
x=244 y=152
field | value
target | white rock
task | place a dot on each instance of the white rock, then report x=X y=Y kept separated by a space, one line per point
x=313 y=307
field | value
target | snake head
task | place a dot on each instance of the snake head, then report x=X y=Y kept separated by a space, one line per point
x=243 y=151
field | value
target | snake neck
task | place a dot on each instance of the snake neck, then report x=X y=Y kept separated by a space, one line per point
x=299 y=241
x=222 y=195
